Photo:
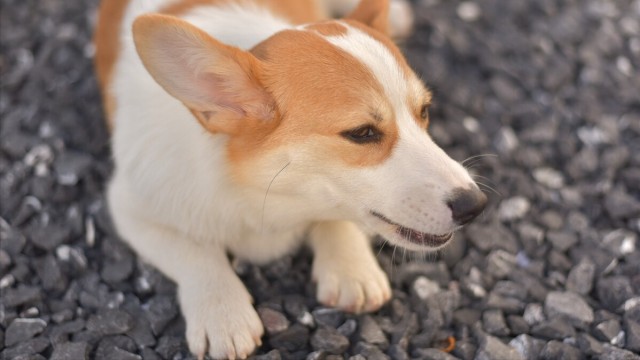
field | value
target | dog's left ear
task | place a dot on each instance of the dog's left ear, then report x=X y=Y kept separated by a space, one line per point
x=218 y=83
x=373 y=13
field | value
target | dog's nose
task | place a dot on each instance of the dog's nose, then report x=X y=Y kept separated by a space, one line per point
x=466 y=204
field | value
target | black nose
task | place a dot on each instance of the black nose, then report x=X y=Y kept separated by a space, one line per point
x=466 y=204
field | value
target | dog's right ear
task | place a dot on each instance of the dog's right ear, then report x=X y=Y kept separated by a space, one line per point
x=373 y=13
x=218 y=83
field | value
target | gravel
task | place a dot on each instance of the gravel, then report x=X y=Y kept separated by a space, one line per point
x=545 y=91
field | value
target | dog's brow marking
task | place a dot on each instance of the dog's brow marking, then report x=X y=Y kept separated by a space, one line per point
x=378 y=59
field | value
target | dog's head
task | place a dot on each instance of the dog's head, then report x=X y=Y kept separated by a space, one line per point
x=327 y=118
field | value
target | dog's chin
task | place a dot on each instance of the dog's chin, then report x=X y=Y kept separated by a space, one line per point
x=410 y=238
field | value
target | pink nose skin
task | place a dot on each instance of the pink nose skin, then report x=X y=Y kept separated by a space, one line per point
x=466 y=205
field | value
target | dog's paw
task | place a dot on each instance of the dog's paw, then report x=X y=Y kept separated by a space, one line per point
x=355 y=286
x=223 y=324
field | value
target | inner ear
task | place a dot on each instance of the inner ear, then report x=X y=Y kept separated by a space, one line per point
x=373 y=13
x=218 y=83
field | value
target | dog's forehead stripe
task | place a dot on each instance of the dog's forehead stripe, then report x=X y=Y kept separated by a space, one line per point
x=378 y=59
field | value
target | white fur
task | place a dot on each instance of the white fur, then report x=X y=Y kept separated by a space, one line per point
x=173 y=201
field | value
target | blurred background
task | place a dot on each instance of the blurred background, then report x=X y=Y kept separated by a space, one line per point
x=544 y=93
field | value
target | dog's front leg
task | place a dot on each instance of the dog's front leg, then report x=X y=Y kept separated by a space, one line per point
x=217 y=307
x=347 y=273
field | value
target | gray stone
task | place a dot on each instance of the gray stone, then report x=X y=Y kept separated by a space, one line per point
x=71 y=351
x=371 y=332
x=271 y=355
x=554 y=350
x=517 y=324
x=620 y=242
x=562 y=241
x=632 y=330
x=570 y=306
x=492 y=348
x=549 y=177
x=169 y=346
x=21 y=330
x=424 y=288
x=50 y=274
x=611 y=352
x=621 y=205
x=580 y=279
x=20 y=295
x=293 y=339
x=370 y=352
x=588 y=344
x=555 y=328
x=500 y=263
x=533 y=314
x=528 y=347
x=432 y=354
x=328 y=317
x=329 y=340
x=491 y=237
x=614 y=291
x=24 y=348
x=494 y=323
x=110 y=322
x=513 y=208
x=273 y=321
x=607 y=330
x=348 y=328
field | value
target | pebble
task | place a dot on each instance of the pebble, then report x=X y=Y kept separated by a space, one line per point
x=328 y=317
x=273 y=321
x=371 y=332
x=293 y=339
x=533 y=314
x=588 y=344
x=553 y=329
x=528 y=347
x=469 y=11
x=549 y=177
x=569 y=306
x=424 y=287
x=607 y=330
x=612 y=352
x=613 y=291
x=21 y=330
x=620 y=242
x=554 y=350
x=514 y=208
x=492 y=348
x=580 y=278
x=110 y=322
x=632 y=331
x=494 y=323
x=160 y=310
x=71 y=351
x=329 y=340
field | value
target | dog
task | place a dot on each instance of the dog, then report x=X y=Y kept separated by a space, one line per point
x=250 y=127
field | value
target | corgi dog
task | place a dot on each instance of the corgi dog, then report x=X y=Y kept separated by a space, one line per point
x=250 y=127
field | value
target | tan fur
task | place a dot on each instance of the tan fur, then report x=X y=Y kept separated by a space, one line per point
x=107 y=42
x=352 y=98
x=296 y=11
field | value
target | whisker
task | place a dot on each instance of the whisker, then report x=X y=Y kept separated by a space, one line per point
x=264 y=201
x=478 y=156
x=489 y=188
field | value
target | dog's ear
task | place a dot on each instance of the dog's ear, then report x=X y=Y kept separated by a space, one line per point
x=218 y=83
x=373 y=13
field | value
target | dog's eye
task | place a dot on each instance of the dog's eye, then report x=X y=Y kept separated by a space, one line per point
x=363 y=135
x=424 y=112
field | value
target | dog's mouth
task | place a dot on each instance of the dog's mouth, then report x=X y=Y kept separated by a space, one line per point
x=415 y=236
